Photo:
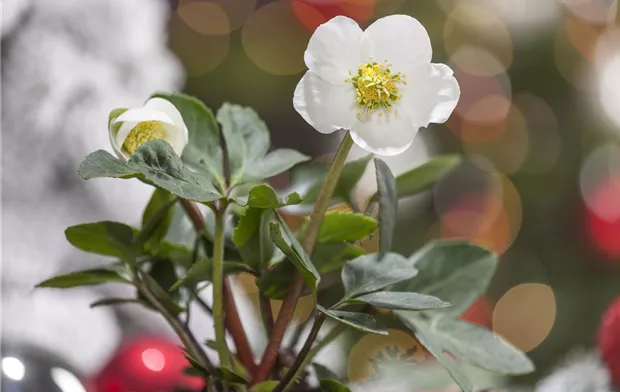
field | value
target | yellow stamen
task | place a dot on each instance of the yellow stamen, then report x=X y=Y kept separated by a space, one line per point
x=142 y=133
x=376 y=87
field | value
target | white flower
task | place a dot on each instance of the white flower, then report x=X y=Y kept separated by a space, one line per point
x=157 y=119
x=378 y=83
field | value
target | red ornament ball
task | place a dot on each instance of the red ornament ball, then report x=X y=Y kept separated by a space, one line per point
x=604 y=231
x=609 y=340
x=146 y=364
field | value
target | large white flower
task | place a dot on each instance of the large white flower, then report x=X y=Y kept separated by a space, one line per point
x=157 y=119
x=380 y=83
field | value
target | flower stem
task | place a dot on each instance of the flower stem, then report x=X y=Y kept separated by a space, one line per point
x=292 y=296
x=218 y=288
x=308 y=352
x=244 y=352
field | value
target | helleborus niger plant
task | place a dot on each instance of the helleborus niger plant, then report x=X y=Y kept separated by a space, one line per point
x=380 y=87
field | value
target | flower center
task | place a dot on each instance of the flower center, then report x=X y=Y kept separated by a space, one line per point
x=376 y=87
x=142 y=133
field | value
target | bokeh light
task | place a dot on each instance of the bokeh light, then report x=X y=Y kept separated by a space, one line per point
x=604 y=227
x=593 y=11
x=202 y=12
x=609 y=88
x=525 y=315
x=323 y=10
x=479 y=313
x=198 y=52
x=205 y=17
x=599 y=182
x=275 y=40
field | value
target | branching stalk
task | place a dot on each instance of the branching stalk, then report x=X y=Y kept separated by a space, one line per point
x=292 y=296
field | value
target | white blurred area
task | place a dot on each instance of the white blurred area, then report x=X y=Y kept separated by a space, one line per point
x=65 y=65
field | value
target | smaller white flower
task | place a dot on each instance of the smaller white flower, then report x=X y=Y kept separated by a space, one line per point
x=379 y=83
x=157 y=119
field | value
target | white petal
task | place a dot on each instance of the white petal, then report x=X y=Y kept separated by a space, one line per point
x=431 y=94
x=384 y=135
x=175 y=137
x=165 y=106
x=143 y=114
x=400 y=40
x=335 y=48
x=325 y=106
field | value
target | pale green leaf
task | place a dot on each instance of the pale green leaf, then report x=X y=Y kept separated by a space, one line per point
x=102 y=164
x=401 y=301
x=274 y=163
x=345 y=226
x=426 y=175
x=388 y=205
x=368 y=273
x=89 y=277
x=360 y=321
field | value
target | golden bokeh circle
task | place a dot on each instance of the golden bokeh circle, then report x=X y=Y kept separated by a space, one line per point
x=525 y=315
x=198 y=52
x=205 y=18
x=275 y=40
x=359 y=365
x=473 y=25
x=199 y=11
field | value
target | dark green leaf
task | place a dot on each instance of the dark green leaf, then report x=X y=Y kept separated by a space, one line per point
x=401 y=301
x=360 y=321
x=157 y=216
x=201 y=272
x=331 y=256
x=455 y=271
x=159 y=164
x=284 y=239
x=422 y=332
x=229 y=375
x=352 y=172
x=424 y=176
x=264 y=196
x=388 y=205
x=199 y=369
x=265 y=386
x=274 y=163
x=118 y=301
x=251 y=236
x=163 y=272
x=84 y=278
x=323 y=372
x=102 y=164
x=329 y=385
x=345 y=226
x=163 y=296
x=247 y=138
x=104 y=238
x=180 y=254
x=367 y=273
x=204 y=135
x=275 y=282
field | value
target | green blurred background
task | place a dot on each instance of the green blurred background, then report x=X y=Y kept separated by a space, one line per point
x=538 y=126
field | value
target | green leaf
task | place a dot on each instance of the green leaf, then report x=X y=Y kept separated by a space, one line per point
x=481 y=347
x=247 y=138
x=114 y=114
x=360 y=321
x=367 y=273
x=352 y=172
x=274 y=163
x=157 y=216
x=201 y=271
x=401 y=301
x=251 y=237
x=102 y=164
x=329 y=385
x=274 y=283
x=424 y=335
x=426 y=175
x=332 y=256
x=264 y=196
x=265 y=386
x=204 y=136
x=455 y=271
x=229 y=375
x=323 y=372
x=159 y=164
x=284 y=239
x=388 y=205
x=346 y=226
x=159 y=292
x=119 y=301
x=104 y=238
x=89 y=277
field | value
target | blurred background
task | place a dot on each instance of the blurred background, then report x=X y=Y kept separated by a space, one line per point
x=538 y=126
